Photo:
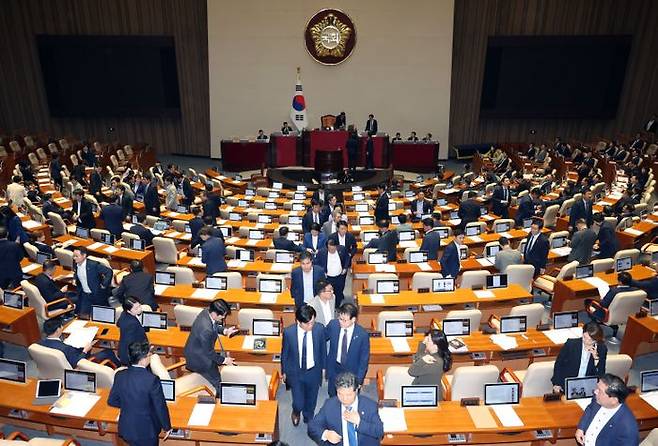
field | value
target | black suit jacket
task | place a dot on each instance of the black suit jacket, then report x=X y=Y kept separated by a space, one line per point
x=151 y=199
x=538 y=255
x=287 y=245
x=143 y=232
x=387 y=243
x=350 y=242
x=10 y=263
x=578 y=211
x=381 y=208
x=51 y=207
x=113 y=215
x=140 y=285
x=371 y=127
x=427 y=207
x=608 y=241
x=188 y=191
x=126 y=203
x=73 y=355
x=469 y=211
x=86 y=215
x=130 y=331
x=500 y=203
x=48 y=288
x=95 y=183
x=199 y=349
x=568 y=361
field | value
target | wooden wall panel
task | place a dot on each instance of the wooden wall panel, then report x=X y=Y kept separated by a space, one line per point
x=23 y=103
x=475 y=20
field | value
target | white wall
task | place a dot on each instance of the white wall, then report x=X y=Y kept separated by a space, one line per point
x=399 y=70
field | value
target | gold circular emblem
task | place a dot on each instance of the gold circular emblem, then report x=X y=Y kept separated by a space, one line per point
x=330 y=36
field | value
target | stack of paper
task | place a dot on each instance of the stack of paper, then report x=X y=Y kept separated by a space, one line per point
x=476 y=238
x=563 y=251
x=203 y=293
x=235 y=263
x=506 y=235
x=408 y=244
x=630 y=231
x=68 y=243
x=600 y=284
x=503 y=341
x=400 y=345
x=201 y=414
x=583 y=402
x=432 y=307
x=424 y=266
x=252 y=242
x=195 y=261
x=561 y=335
x=482 y=294
x=651 y=398
x=393 y=419
x=281 y=267
x=111 y=249
x=76 y=404
x=385 y=268
x=507 y=415
x=232 y=239
x=484 y=261
x=160 y=289
x=455 y=221
x=248 y=343
x=75 y=325
x=95 y=246
x=377 y=298
x=30 y=267
x=31 y=224
x=268 y=298
x=81 y=337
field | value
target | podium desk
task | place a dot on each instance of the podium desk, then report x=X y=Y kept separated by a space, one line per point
x=244 y=155
x=324 y=140
x=19 y=326
x=415 y=156
x=640 y=337
x=570 y=294
x=284 y=150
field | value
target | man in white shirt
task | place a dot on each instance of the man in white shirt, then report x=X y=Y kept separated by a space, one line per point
x=92 y=280
x=607 y=421
x=324 y=303
x=335 y=261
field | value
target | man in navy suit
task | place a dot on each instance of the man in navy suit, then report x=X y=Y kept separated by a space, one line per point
x=313 y=215
x=188 y=192
x=500 y=199
x=282 y=241
x=386 y=242
x=130 y=328
x=314 y=239
x=607 y=421
x=213 y=251
x=96 y=183
x=92 y=280
x=450 y=263
x=581 y=209
x=596 y=312
x=48 y=287
x=112 y=215
x=83 y=213
x=347 y=418
x=151 y=198
x=11 y=273
x=469 y=210
x=580 y=357
x=142 y=231
x=304 y=278
x=536 y=248
x=303 y=355
x=335 y=261
x=608 y=241
x=138 y=283
x=125 y=200
x=431 y=240
x=381 y=205
x=138 y=393
x=420 y=206
x=527 y=207
x=53 y=329
x=328 y=209
x=349 y=346
x=344 y=238
x=211 y=203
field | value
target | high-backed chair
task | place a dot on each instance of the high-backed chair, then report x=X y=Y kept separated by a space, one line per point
x=280 y=277
x=634 y=254
x=476 y=279
x=468 y=382
x=41 y=307
x=376 y=277
x=509 y=221
x=186 y=385
x=389 y=385
x=266 y=385
x=533 y=313
x=546 y=283
x=566 y=205
x=423 y=280
x=602 y=265
x=550 y=216
x=384 y=316
x=97 y=234
x=623 y=305
x=652 y=438
x=233 y=279
x=51 y=362
x=65 y=257
x=474 y=316
x=520 y=275
x=477 y=224
x=619 y=365
x=246 y=316
x=535 y=381
x=31 y=251
x=165 y=250
x=185 y=314
x=59 y=227
x=184 y=275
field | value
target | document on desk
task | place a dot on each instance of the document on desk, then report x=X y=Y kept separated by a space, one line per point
x=281 y=267
x=232 y=239
x=482 y=294
x=235 y=263
x=160 y=289
x=424 y=266
x=507 y=415
x=563 y=251
x=393 y=419
x=377 y=299
x=432 y=307
x=484 y=261
x=31 y=224
x=76 y=404
x=111 y=249
x=75 y=325
x=385 y=268
x=95 y=246
x=68 y=243
x=503 y=341
x=632 y=231
x=476 y=238
x=195 y=261
x=400 y=345
x=204 y=293
x=651 y=399
x=81 y=337
x=30 y=267
x=481 y=417
x=201 y=414
x=455 y=221
x=599 y=284
x=248 y=342
x=268 y=298
x=252 y=242
x=561 y=335
x=174 y=234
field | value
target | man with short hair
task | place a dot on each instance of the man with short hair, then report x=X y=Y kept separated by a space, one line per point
x=151 y=198
x=348 y=418
x=501 y=199
x=304 y=278
x=313 y=215
x=331 y=225
x=581 y=209
x=199 y=349
x=597 y=310
x=344 y=238
x=527 y=206
x=450 y=260
x=112 y=215
x=282 y=241
x=381 y=205
x=303 y=356
x=582 y=243
x=92 y=280
x=96 y=183
x=324 y=302
x=386 y=242
x=607 y=237
x=138 y=283
x=213 y=251
x=431 y=240
x=403 y=225
x=48 y=287
x=328 y=210
x=371 y=125
x=125 y=200
x=469 y=210
x=16 y=192
x=11 y=273
x=507 y=256
x=335 y=261
x=420 y=206
x=142 y=231
x=536 y=248
x=607 y=421
x=83 y=213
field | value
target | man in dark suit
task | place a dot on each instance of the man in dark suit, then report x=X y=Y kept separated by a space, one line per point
x=138 y=393
x=500 y=200
x=344 y=238
x=328 y=208
x=48 y=287
x=341 y=121
x=50 y=206
x=386 y=242
x=211 y=203
x=304 y=278
x=607 y=421
x=11 y=273
x=303 y=356
x=213 y=252
x=56 y=170
x=431 y=240
x=96 y=183
x=83 y=213
x=381 y=205
x=371 y=125
x=527 y=207
x=92 y=280
x=199 y=349
x=151 y=197
x=125 y=200
x=536 y=248
x=112 y=215
x=285 y=128
x=188 y=192
x=349 y=346
x=469 y=210
x=581 y=209
x=352 y=146
x=450 y=263
x=130 y=327
x=596 y=311
x=335 y=261
x=142 y=231
x=347 y=416
x=282 y=241
x=137 y=283
x=53 y=329
x=331 y=225
x=584 y=356
x=582 y=243
x=313 y=215
x=420 y=206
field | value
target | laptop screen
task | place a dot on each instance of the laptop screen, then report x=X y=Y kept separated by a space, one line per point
x=42 y=257
x=377 y=258
x=80 y=381
x=108 y=239
x=256 y=234
x=502 y=227
x=472 y=231
x=369 y=235
x=580 y=387
x=295 y=220
x=456 y=327
x=513 y=324
x=649 y=381
x=216 y=283
x=367 y=220
x=406 y=236
x=624 y=264
x=558 y=242
x=169 y=389
x=160 y=225
x=13 y=300
x=443 y=285
x=443 y=232
x=567 y=319
x=137 y=244
x=11 y=370
x=496 y=281
x=234 y=216
x=106 y=315
x=266 y=327
x=298 y=207
x=264 y=219
x=270 y=286
x=419 y=396
x=270 y=206
x=585 y=271
x=48 y=388
x=284 y=257
x=81 y=232
x=238 y=394
x=501 y=393
x=246 y=255
x=152 y=319
x=165 y=278
x=226 y=230
x=361 y=207
x=398 y=329
x=491 y=251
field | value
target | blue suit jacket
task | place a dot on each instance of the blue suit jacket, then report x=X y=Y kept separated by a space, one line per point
x=578 y=211
x=290 y=354
x=73 y=355
x=538 y=256
x=526 y=210
x=358 y=353
x=308 y=241
x=620 y=429
x=450 y=264
x=297 y=283
x=130 y=331
x=608 y=241
x=138 y=393
x=322 y=255
x=213 y=255
x=350 y=242
x=142 y=232
x=369 y=433
x=288 y=245
x=112 y=215
x=15 y=230
x=10 y=263
x=431 y=244
x=99 y=279
x=307 y=221
x=648 y=285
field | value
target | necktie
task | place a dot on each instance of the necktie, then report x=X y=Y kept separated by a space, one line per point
x=351 y=431
x=343 y=347
x=315 y=217
x=532 y=243
x=304 y=353
x=505 y=195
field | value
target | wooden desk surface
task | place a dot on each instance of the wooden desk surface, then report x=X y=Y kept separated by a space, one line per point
x=638 y=332
x=239 y=296
x=257 y=266
x=106 y=250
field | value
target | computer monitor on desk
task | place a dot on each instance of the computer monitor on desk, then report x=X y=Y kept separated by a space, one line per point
x=513 y=324
x=566 y=319
x=443 y=285
x=418 y=256
x=387 y=286
x=623 y=264
x=216 y=283
x=577 y=388
x=419 y=396
x=270 y=286
x=152 y=319
x=165 y=278
x=14 y=371
x=104 y=315
x=456 y=327
x=583 y=272
x=79 y=381
x=501 y=393
x=169 y=389
x=649 y=381
x=234 y=394
x=13 y=300
x=398 y=329
x=266 y=327
x=472 y=231
x=496 y=281
x=42 y=257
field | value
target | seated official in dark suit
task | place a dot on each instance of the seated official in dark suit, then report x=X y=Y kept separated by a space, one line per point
x=432 y=360
x=304 y=278
x=282 y=241
x=138 y=393
x=48 y=287
x=213 y=252
x=527 y=205
x=11 y=273
x=112 y=215
x=130 y=329
x=53 y=329
x=199 y=349
x=450 y=263
x=536 y=249
x=138 y=283
x=38 y=240
x=585 y=356
x=596 y=308
x=386 y=242
x=607 y=237
x=607 y=421
x=303 y=354
x=142 y=231
x=345 y=238
x=431 y=240
x=349 y=346
x=347 y=416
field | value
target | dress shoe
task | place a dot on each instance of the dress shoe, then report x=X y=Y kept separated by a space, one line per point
x=295 y=419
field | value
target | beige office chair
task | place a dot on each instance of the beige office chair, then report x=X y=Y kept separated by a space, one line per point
x=178 y=225
x=59 y=227
x=468 y=382
x=473 y=315
x=619 y=365
x=566 y=205
x=634 y=254
x=266 y=385
x=602 y=265
x=65 y=257
x=31 y=251
x=190 y=384
x=165 y=250
x=384 y=316
x=185 y=315
x=126 y=237
x=652 y=438
x=183 y=274
x=233 y=280
x=423 y=280
x=509 y=221
x=622 y=306
x=477 y=224
x=546 y=283
x=97 y=234
x=521 y=275
x=19 y=438
x=50 y=362
x=104 y=374
x=376 y=277
x=41 y=307
x=280 y=277
x=389 y=385
x=246 y=316
x=550 y=216
x=534 y=313
x=477 y=279
x=535 y=380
